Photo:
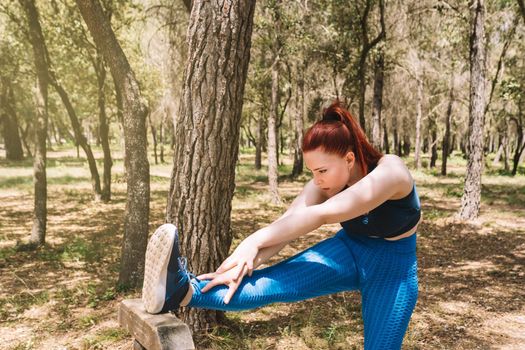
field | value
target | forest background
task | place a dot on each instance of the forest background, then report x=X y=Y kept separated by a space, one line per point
x=117 y=116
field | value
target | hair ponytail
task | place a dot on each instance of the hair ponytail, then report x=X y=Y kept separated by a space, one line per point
x=338 y=132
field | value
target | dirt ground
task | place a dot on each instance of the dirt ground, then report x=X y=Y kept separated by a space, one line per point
x=63 y=295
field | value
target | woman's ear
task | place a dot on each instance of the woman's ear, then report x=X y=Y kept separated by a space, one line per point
x=350 y=158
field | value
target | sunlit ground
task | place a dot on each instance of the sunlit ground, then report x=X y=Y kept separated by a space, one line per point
x=64 y=296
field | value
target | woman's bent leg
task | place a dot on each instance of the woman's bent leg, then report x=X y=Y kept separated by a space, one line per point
x=327 y=267
x=389 y=296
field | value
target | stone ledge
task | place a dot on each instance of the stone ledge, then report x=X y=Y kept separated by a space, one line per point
x=153 y=332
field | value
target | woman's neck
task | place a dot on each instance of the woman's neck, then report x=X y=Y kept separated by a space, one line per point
x=356 y=174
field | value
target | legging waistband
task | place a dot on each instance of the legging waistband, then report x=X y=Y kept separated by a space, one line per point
x=403 y=245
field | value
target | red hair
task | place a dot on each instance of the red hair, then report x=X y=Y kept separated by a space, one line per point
x=338 y=133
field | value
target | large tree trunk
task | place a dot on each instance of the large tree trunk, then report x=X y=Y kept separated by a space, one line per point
x=419 y=117
x=207 y=135
x=137 y=166
x=378 y=100
x=8 y=117
x=470 y=202
x=38 y=232
x=103 y=127
x=446 y=138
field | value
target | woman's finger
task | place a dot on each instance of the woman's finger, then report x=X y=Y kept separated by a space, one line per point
x=249 y=266
x=231 y=290
x=239 y=273
x=214 y=282
x=207 y=276
x=226 y=265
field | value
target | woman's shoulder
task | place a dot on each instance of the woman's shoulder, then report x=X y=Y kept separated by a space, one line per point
x=396 y=168
x=390 y=159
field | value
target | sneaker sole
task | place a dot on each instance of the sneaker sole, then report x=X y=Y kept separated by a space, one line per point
x=158 y=255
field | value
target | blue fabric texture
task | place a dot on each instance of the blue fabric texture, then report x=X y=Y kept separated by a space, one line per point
x=390 y=219
x=385 y=272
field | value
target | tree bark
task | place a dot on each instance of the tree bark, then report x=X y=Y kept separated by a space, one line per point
x=154 y=137
x=259 y=143
x=207 y=136
x=273 y=172
x=136 y=160
x=299 y=126
x=419 y=117
x=433 y=141
x=161 y=137
x=11 y=133
x=521 y=4
x=366 y=46
x=520 y=144
x=397 y=141
x=24 y=133
x=79 y=135
x=446 y=138
x=470 y=202
x=378 y=100
x=103 y=127
x=386 y=141
x=38 y=232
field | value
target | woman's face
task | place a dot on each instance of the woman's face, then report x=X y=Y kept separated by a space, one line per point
x=331 y=172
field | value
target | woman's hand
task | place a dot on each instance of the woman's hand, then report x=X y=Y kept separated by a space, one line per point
x=242 y=257
x=228 y=278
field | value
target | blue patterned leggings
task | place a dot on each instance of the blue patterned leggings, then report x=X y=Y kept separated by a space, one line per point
x=385 y=272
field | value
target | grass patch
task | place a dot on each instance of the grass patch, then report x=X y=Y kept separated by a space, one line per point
x=103 y=338
x=12 y=306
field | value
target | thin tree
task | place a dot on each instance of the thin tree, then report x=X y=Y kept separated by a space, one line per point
x=299 y=124
x=103 y=126
x=207 y=136
x=521 y=4
x=446 y=138
x=377 y=103
x=136 y=160
x=273 y=170
x=36 y=38
x=80 y=138
x=419 y=117
x=9 y=119
x=366 y=46
x=470 y=202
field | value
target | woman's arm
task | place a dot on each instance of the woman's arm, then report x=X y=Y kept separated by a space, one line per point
x=390 y=179
x=310 y=195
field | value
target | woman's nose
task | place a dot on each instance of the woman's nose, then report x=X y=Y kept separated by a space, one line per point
x=317 y=180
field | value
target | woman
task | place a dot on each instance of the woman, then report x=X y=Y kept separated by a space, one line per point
x=374 y=198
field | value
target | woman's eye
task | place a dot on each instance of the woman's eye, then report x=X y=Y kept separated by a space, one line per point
x=322 y=171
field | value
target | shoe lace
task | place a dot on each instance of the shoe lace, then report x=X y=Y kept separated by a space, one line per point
x=183 y=263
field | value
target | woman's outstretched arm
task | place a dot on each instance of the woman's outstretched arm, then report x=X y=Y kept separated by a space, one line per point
x=390 y=179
